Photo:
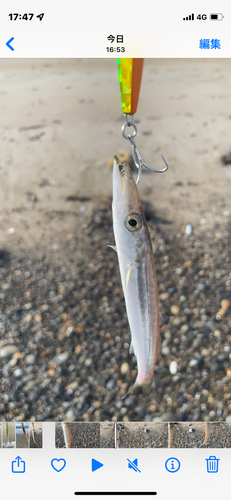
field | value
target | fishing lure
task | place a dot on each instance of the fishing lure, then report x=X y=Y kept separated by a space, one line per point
x=130 y=75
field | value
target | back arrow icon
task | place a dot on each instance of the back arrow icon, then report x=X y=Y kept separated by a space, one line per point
x=9 y=42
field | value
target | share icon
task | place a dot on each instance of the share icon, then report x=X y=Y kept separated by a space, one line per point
x=133 y=465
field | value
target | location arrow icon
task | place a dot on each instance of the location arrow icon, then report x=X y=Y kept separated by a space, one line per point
x=9 y=42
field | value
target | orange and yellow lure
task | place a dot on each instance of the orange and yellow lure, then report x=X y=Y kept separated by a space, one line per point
x=130 y=74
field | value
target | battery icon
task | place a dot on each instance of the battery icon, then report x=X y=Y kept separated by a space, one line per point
x=216 y=17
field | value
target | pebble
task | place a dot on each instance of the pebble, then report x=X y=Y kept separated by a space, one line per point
x=165 y=351
x=188 y=229
x=176 y=182
x=175 y=310
x=193 y=363
x=38 y=318
x=173 y=367
x=30 y=359
x=61 y=358
x=8 y=351
x=124 y=368
x=224 y=304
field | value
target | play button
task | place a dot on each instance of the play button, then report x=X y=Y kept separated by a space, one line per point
x=95 y=465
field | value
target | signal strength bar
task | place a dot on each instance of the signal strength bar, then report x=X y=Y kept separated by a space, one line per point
x=189 y=18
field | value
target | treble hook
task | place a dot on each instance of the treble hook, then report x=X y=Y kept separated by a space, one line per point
x=137 y=158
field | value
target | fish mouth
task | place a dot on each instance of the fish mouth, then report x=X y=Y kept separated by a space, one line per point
x=124 y=186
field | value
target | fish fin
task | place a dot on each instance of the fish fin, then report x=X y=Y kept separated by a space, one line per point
x=113 y=247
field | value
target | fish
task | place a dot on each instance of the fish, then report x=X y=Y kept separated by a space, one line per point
x=67 y=434
x=170 y=434
x=207 y=432
x=33 y=433
x=24 y=432
x=137 y=270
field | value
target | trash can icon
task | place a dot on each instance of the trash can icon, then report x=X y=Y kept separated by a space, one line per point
x=212 y=464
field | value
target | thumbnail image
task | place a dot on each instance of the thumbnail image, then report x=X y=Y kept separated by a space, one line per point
x=77 y=435
x=199 y=435
x=107 y=435
x=85 y=435
x=142 y=435
x=73 y=271
x=22 y=435
x=36 y=435
x=8 y=440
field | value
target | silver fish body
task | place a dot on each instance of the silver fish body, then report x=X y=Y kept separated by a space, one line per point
x=137 y=270
x=67 y=434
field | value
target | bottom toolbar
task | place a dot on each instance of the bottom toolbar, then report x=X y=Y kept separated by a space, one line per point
x=58 y=472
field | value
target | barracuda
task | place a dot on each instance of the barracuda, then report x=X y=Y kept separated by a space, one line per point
x=137 y=270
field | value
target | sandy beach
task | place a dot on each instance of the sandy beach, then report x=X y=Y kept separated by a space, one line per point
x=64 y=336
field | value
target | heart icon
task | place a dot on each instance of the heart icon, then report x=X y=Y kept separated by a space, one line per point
x=58 y=464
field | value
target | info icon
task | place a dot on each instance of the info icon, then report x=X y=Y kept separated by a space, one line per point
x=172 y=464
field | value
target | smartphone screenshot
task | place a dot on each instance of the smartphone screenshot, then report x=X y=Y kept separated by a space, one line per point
x=115 y=260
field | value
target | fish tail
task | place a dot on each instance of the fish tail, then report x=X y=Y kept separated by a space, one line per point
x=140 y=383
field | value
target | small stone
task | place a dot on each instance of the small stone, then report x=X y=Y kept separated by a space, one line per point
x=62 y=358
x=175 y=310
x=165 y=351
x=38 y=318
x=28 y=306
x=110 y=384
x=51 y=372
x=173 y=367
x=164 y=296
x=188 y=229
x=30 y=359
x=175 y=182
x=11 y=230
x=124 y=368
x=8 y=351
x=225 y=304
x=79 y=329
x=193 y=363
x=28 y=318
x=78 y=349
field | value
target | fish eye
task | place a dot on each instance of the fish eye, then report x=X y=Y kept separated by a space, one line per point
x=133 y=222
